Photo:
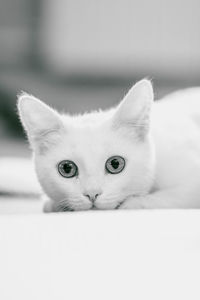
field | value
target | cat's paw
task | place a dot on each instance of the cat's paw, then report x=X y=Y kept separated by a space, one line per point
x=48 y=207
x=137 y=202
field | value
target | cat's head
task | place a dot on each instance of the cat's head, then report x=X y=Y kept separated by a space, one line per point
x=95 y=160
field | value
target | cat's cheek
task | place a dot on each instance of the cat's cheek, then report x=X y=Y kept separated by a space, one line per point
x=81 y=206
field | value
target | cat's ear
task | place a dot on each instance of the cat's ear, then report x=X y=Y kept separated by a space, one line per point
x=133 y=112
x=39 y=120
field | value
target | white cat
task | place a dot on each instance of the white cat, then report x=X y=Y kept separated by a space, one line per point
x=141 y=154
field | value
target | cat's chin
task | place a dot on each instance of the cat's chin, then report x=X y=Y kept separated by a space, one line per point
x=105 y=206
x=53 y=206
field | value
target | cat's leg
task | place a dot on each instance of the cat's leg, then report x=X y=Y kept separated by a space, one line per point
x=179 y=197
x=48 y=205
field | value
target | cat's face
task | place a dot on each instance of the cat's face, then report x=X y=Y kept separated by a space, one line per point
x=94 y=161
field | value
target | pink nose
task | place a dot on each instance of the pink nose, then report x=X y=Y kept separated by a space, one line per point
x=92 y=196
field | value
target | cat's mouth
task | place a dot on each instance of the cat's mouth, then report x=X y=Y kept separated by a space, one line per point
x=94 y=207
x=63 y=206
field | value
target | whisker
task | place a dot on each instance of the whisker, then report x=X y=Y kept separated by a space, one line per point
x=62 y=205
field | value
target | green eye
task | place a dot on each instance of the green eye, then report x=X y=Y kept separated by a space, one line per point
x=115 y=164
x=67 y=168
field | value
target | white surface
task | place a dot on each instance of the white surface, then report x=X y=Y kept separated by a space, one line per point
x=20 y=205
x=101 y=255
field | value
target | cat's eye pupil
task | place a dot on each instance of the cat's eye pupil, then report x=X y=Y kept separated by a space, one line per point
x=115 y=163
x=67 y=168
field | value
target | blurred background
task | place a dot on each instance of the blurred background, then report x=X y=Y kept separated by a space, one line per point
x=81 y=55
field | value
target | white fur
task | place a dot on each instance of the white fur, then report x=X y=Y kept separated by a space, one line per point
x=89 y=140
x=176 y=135
x=161 y=147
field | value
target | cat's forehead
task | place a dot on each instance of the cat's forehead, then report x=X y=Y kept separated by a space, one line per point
x=91 y=136
x=96 y=118
x=88 y=129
